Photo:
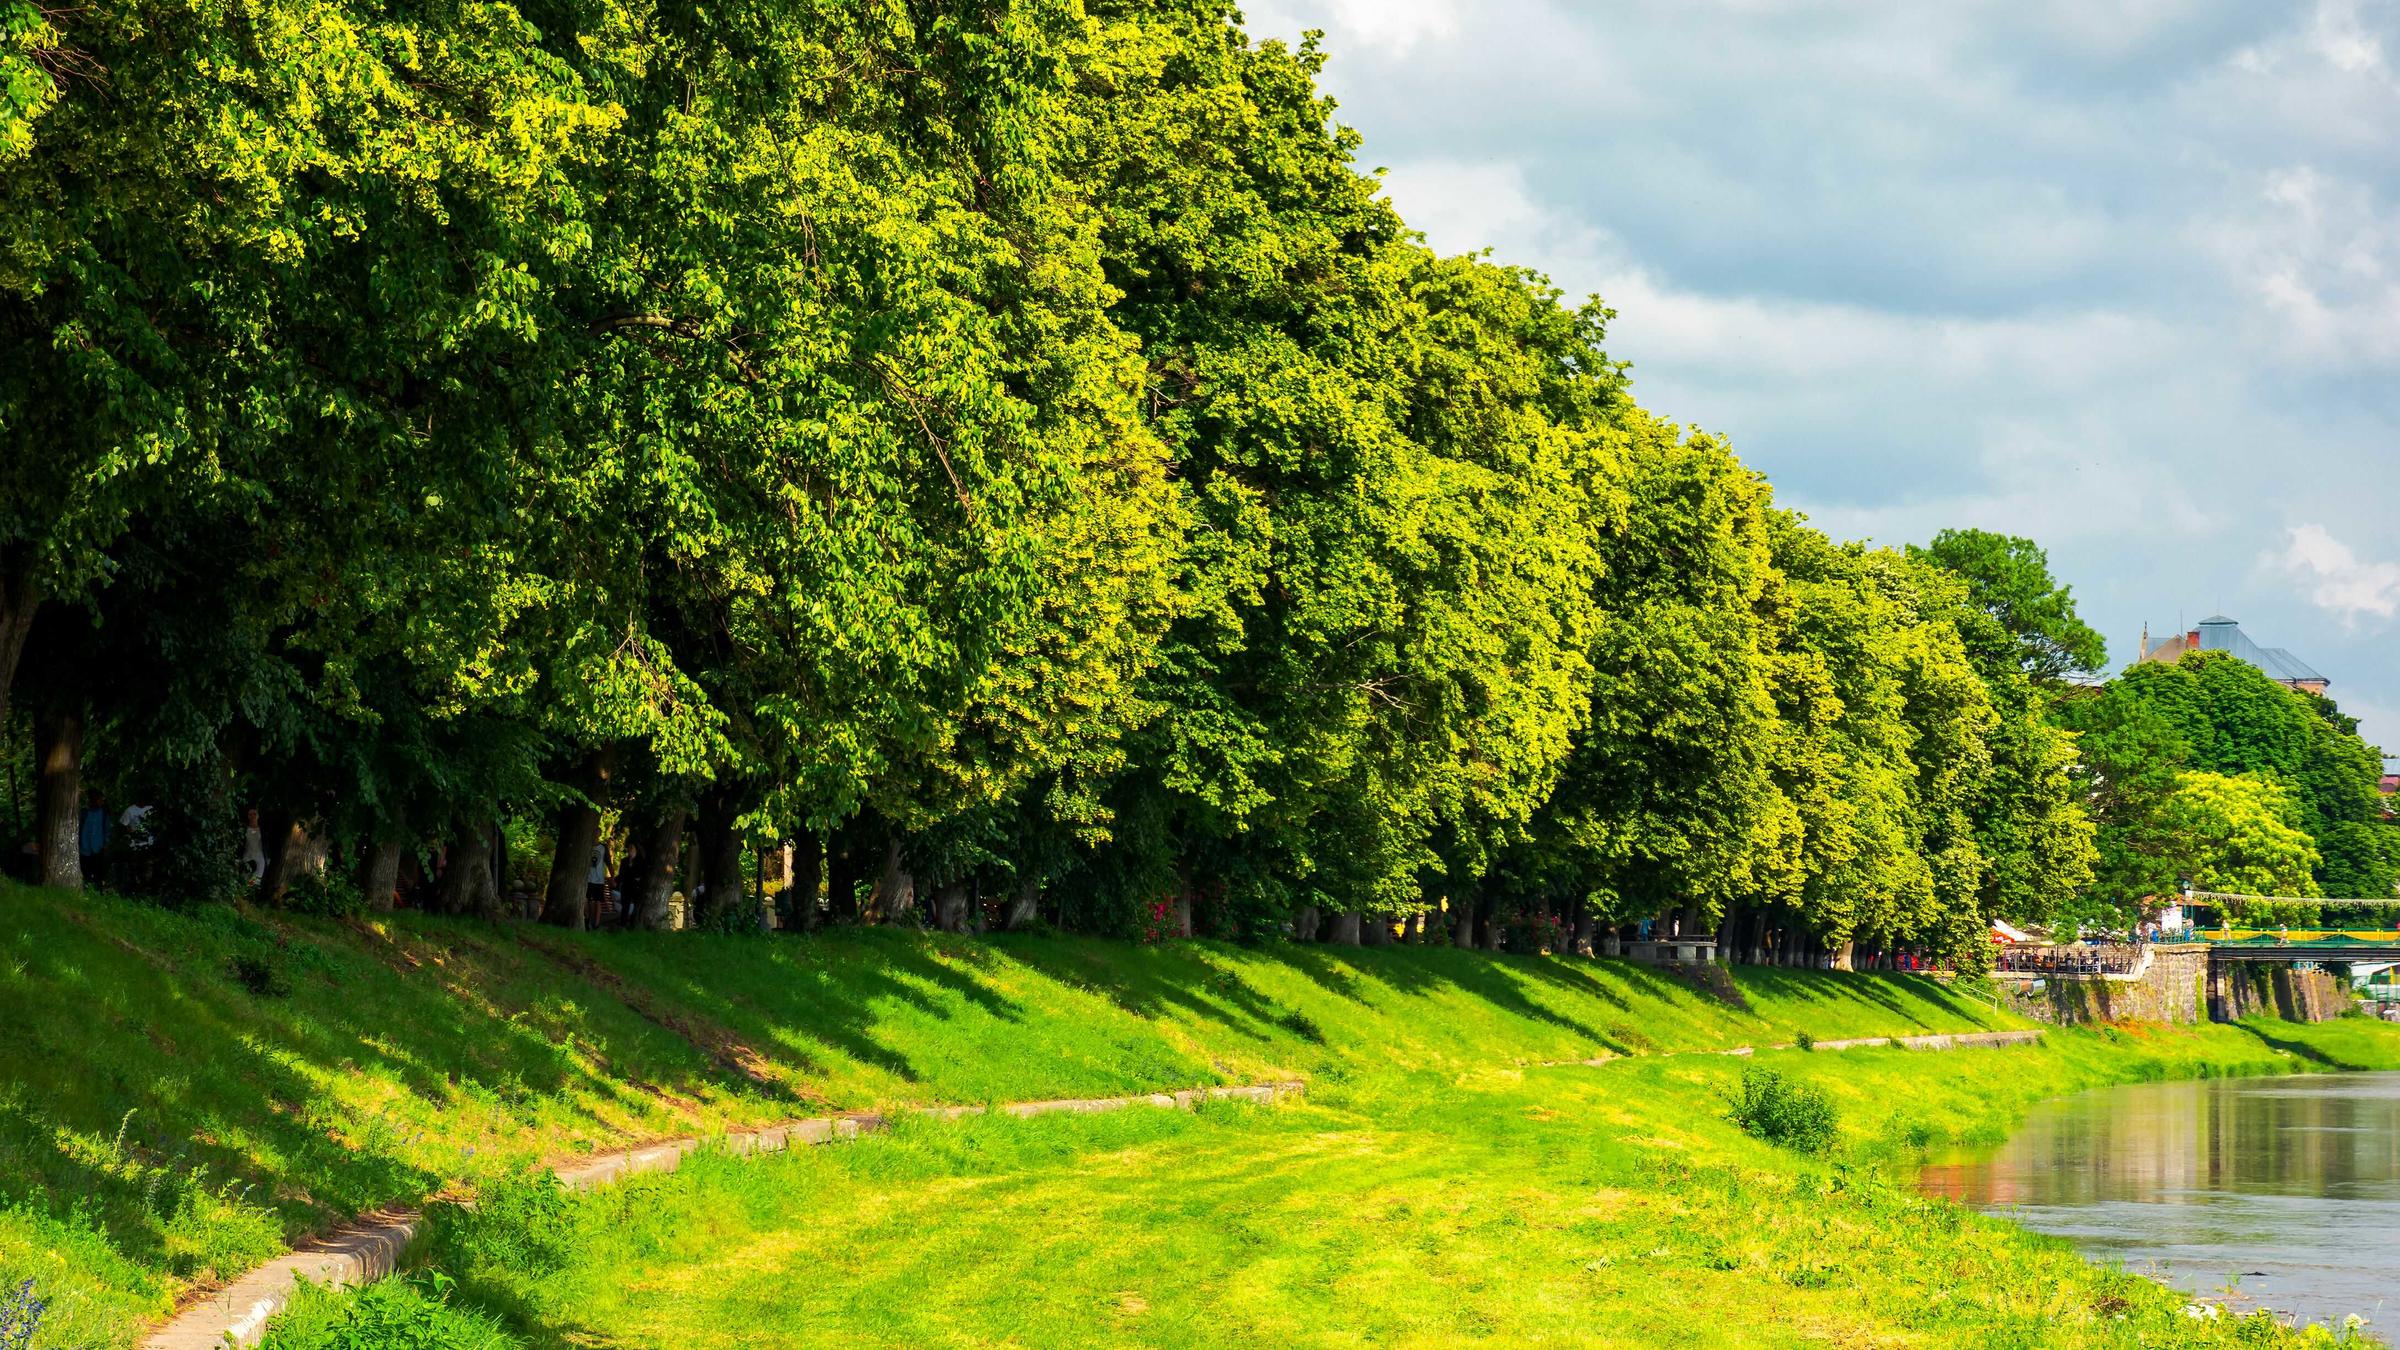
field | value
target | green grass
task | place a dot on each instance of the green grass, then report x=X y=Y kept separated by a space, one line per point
x=1570 y=1206
x=162 y=1126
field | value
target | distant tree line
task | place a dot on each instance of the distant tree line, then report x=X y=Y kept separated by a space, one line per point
x=1004 y=451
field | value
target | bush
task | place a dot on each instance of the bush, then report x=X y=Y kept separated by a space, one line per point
x=409 y=1314
x=331 y=895
x=1778 y=1110
x=1803 y=1040
x=521 y=1223
x=260 y=973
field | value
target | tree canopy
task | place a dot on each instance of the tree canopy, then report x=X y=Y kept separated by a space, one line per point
x=999 y=463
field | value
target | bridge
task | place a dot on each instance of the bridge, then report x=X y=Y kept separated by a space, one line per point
x=2297 y=944
x=2230 y=945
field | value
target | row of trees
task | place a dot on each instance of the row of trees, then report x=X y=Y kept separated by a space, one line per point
x=1001 y=447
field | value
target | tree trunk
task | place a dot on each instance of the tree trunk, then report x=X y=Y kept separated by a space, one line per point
x=569 y=891
x=845 y=870
x=379 y=875
x=950 y=907
x=19 y=603
x=1306 y=923
x=1582 y=942
x=468 y=886
x=1374 y=930
x=1025 y=906
x=800 y=882
x=662 y=845
x=1345 y=929
x=721 y=864
x=1462 y=935
x=287 y=852
x=896 y=892
x=58 y=796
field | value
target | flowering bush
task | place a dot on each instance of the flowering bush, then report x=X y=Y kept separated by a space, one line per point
x=20 y=1317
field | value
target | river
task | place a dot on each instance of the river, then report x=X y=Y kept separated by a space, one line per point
x=2286 y=1188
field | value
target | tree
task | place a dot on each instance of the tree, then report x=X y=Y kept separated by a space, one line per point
x=2017 y=616
x=2214 y=712
x=2237 y=835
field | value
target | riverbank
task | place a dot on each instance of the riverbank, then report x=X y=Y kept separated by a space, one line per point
x=1608 y=1205
x=183 y=1096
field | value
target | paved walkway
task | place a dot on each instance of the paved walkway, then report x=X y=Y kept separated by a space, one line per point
x=370 y=1247
x=1955 y=1040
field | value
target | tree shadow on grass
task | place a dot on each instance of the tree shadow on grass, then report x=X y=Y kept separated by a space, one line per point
x=2258 y=1029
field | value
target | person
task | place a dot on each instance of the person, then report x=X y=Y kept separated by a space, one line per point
x=595 y=885
x=254 y=846
x=629 y=884
x=91 y=840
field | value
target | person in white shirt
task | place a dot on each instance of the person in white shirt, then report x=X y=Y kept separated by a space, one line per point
x=254 y=846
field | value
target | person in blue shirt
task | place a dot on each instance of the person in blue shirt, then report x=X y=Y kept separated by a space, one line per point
x=92 y=839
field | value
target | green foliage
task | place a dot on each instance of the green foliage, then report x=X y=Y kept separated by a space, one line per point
x=1794 y=1114
x=2239 y=835
x=2020 y=618
x=2260 y=763
x=404 y=1314
x=327 y=894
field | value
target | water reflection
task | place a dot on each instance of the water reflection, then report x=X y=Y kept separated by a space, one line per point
x=2288 y=1188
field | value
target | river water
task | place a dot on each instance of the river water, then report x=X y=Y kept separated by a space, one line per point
x=2286 y=1188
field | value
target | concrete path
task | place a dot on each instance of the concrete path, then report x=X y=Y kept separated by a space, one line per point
x=1955 y=1040
x=370 y=1247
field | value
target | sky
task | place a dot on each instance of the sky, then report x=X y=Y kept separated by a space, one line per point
x=2119 y=275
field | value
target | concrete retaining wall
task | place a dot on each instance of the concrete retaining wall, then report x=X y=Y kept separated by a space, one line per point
x=2174 y=988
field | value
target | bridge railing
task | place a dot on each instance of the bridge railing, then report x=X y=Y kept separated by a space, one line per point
x=2113 y=958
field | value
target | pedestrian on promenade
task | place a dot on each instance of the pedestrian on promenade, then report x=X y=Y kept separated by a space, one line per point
x=91 y=838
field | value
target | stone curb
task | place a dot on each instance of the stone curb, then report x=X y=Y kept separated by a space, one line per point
x=1955 y=1040
x=368 y=1248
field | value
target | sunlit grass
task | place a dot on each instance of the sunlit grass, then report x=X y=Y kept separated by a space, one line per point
x=1573 y=1206
x=163 y=1126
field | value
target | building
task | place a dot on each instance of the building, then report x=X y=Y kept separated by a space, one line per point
x=2220 y=634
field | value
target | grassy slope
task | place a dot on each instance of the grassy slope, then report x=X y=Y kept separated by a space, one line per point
x=1583 y=1206
x=161 y=1124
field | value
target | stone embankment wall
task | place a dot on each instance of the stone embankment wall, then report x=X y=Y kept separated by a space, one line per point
x=2293 y=995
x=2171 y=989
x=2174 y=988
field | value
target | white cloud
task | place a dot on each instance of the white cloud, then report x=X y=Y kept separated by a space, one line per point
x=1389 y=26
x=2337 y=579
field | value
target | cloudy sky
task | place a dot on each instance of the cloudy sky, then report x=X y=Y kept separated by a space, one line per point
x=2121 y=275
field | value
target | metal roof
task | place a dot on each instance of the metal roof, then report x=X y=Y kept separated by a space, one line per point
x=2220 y=634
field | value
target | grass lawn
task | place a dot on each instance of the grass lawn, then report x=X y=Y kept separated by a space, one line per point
x=1568 y=1206
x=182 y=1094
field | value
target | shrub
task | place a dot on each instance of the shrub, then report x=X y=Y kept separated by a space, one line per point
x=330 y=894
x=1778 y=1110
x=1303 y=1026
x=259 y=972
x=522 y=1223
x=409 y=1314
x=1803 y=1040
